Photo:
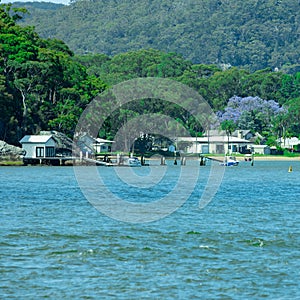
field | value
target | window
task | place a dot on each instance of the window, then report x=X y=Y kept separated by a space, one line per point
x=50 y=152
x=39 y=151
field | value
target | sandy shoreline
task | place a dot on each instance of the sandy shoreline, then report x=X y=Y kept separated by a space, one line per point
x=275 y=158
x=263 y=158
x=221 y=158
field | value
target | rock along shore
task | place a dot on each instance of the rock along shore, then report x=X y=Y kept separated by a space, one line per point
x=10 y=153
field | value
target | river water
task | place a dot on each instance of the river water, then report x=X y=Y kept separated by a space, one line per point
x=245 y=244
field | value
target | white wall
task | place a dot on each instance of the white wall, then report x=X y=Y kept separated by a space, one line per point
x=260 y=149
x=30 y=148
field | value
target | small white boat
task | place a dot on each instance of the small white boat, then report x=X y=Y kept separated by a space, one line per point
x=229 y=161
x=133 y=162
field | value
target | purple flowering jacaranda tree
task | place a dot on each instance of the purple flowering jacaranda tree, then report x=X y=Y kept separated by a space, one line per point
x=251 y=113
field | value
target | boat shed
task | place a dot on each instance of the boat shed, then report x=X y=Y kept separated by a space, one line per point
x=38 y=146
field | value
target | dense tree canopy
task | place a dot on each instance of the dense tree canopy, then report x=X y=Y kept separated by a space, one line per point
x=44 y=86
x=265 y=92
x=250 y=34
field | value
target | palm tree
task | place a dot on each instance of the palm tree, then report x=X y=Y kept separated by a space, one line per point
x=229 y=126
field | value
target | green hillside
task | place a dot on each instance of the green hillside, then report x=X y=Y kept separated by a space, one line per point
x=44 y=86
x=250 y=34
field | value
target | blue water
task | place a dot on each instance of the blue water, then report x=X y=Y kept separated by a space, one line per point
x=245 y=244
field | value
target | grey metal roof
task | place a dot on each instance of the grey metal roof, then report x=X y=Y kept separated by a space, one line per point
x=35 y=139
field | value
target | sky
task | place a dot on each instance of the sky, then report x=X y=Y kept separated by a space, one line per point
x=53 y=1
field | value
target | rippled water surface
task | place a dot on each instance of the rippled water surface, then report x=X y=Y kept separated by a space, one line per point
x=244 y=245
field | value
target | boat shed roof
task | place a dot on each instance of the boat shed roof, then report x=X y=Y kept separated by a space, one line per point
x=35 y=139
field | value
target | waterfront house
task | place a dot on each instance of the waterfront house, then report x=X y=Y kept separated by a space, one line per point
x=91 y=145
x=216 y=144
x=49 y=147
x=292 y=143
x=102 y=145
x=38 y=146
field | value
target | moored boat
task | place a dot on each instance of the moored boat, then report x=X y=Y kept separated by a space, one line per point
x=133 y=162
x=229 y=161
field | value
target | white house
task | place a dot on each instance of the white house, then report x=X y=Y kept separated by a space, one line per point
x=89 y=144
x=102 y=145
x=213 y=144
x=289 y=143
x=38 y=146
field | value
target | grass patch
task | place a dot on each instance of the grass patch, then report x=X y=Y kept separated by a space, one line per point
x=287 y=153
x=11 y=163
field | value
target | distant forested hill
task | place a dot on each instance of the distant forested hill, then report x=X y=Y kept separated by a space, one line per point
x=253 y=34
x=36 y=8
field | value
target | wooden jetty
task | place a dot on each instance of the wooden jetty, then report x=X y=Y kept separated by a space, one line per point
x=50 y=161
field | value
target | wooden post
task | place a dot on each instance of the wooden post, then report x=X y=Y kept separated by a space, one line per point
x=202 y=161
x=183 y=161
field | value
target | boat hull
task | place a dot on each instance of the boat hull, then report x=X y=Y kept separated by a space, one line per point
x=133 y=162
x=230 y=161
x=230 y=164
